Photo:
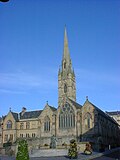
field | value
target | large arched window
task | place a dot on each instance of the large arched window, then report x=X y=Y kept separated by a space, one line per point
x=9 y=124
x=88 y=120
x=66 y=117
x=47 y=124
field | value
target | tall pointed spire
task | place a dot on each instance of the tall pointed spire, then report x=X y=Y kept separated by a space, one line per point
x=66 y=75
x=66 y=54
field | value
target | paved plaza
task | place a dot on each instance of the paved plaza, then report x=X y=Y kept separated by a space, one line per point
x=55 y=155
x=80 y=156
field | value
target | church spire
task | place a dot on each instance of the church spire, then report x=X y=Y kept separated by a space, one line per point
x=66 y=75
x=66 y=54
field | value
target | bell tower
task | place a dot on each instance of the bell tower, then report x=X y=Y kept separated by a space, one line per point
x=66 y=76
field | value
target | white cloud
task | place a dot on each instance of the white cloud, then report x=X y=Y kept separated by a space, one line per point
x=19 y=82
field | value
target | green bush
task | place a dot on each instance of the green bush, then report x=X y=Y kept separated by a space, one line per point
x=22 y=153
x=72 y=152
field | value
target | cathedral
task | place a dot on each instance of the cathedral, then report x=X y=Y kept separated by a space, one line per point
x=55 y=127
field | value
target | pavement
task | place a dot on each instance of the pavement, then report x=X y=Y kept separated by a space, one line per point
x=48 y=152
x=62 y=153
x=58 y=154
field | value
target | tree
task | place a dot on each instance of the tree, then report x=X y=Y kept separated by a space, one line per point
x=22 y=153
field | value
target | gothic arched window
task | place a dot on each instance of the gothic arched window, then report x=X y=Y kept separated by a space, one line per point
x=88 y=120
x=65 y=88
x=9 y=124
x=66 y=117
x=64 y=65
x=47 y=124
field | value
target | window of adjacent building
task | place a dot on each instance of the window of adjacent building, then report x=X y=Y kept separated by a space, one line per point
x=27 y=135
x=11 y=137
x=47 y=124
x=88 y=120
x=33 y=125
x=65 y=88
x=6 y=138
x=9 y=124
x=27 y=125
x=66 y=117
x=33 y=134
x=21 y=135
x=22 y=125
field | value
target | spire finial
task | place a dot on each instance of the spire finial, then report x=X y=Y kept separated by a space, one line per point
x=10 y=109
x=86 y=98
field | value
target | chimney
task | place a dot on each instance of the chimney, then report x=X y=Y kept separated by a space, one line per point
x=23 y=111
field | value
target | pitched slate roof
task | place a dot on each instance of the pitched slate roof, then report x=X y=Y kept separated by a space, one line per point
x=15 y=115
x=102 y=113
x=3 y=117
x=30 y=114
x=77 y=105
x=53 y=108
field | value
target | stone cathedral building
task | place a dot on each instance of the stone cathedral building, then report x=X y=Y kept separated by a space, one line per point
x=69 y=120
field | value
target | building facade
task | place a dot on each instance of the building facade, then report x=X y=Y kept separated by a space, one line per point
x=115 y=115
x=54 y=127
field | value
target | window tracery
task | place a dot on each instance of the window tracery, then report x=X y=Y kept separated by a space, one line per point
x=66 y=117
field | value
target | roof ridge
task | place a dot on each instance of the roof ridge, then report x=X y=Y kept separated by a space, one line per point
x=75 y=103
x=53 y=108
x=104 y=113
x=14 y=112
x=33 y=111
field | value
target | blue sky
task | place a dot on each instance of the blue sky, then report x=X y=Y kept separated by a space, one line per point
x=31 y=48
